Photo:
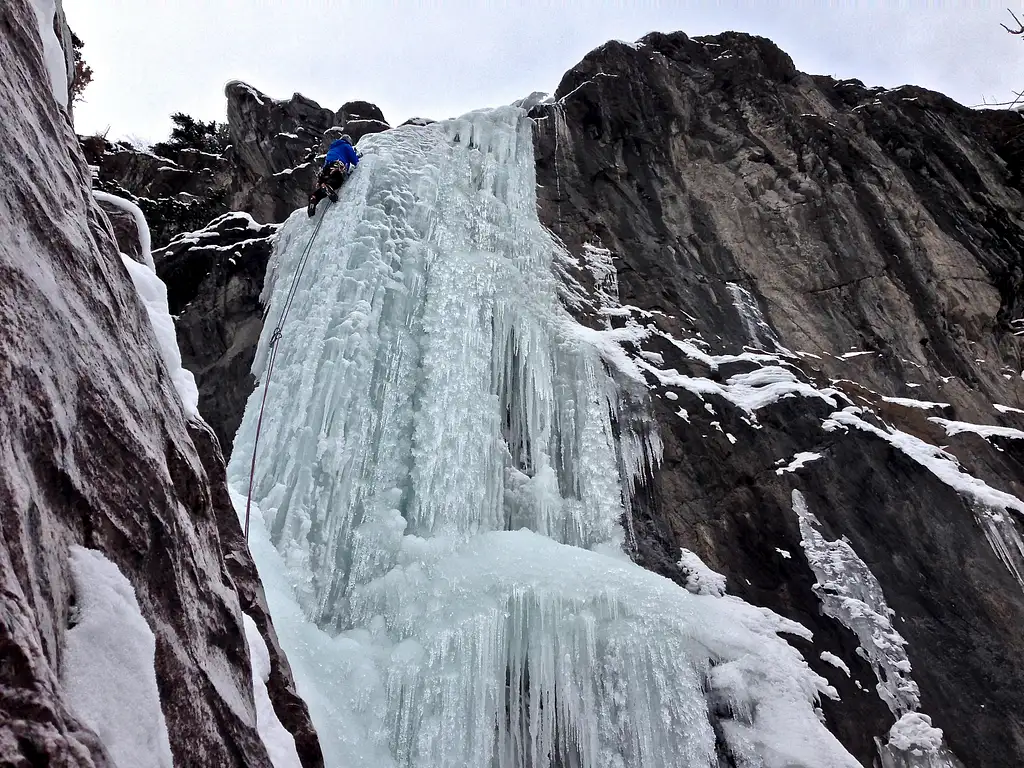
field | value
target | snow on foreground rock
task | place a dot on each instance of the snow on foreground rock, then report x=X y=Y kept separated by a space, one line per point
x=440 y=496
x=279 y=743
x=108 y=665
x=153 y=293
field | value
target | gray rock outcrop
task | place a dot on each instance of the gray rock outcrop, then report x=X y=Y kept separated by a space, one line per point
x=872 y=242
x=214 y=279
x=96 y=451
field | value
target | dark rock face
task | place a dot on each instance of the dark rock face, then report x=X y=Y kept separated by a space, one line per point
x=759 y=207
x=176 y=194
x=267 y=172
x=271 y=135
x=276 y=144
x=359 y=110
x=214 y=279
x=96 y=451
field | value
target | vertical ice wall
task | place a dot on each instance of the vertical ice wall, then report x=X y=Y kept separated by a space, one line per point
x=441 y=493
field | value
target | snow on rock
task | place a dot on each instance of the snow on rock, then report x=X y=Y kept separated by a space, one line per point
x=984 y=430
x=53 y=53
x=799 y=460
x=279 y=742
x=851 y=594
x=442 y=539
x=747 y=391
x=989 y=504
x=759 y=332
x=835 y=661
x=108 y=668
x=915 y=743
x=908 y=402
x=1007 y=409
x=153 y=293
x=914 y=731
x=141 y=226
x=700 y=580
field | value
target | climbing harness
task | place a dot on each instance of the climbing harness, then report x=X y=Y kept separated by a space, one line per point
x=275 y=338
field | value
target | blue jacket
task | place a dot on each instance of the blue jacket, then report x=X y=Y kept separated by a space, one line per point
x=341 y=150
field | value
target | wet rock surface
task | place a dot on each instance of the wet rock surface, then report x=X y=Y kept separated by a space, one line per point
x=96 y=451
x=751 y=206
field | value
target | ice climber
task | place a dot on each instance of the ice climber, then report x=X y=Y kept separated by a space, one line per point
x=341 y=158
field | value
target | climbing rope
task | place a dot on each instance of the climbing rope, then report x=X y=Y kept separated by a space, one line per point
x=274 y=339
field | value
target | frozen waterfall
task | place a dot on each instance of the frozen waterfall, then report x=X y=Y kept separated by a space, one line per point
x=441 y=486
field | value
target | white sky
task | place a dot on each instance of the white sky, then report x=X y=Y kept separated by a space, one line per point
x=439 y=59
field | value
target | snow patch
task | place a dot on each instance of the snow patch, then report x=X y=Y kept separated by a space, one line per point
x=908 y=402
x=153 y=293
x=747 y=391
x=53 y=52
x=799 y=460
x=109 y=672
x=835 y=661
x=1007 y=409
x=141 y=225
x=700 y=580
x=914 y=731
x=984 y=430
x=915 y=743
x=851 y=594
x=279 y=742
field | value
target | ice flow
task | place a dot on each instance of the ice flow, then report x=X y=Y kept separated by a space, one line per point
x=441 y=483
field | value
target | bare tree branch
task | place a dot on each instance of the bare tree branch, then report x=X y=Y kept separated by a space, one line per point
x=1020 y=27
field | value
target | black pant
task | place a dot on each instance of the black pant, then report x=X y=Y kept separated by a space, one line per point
x=331 y=178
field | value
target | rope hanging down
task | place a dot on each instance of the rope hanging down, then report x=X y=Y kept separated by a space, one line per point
x=274 y=341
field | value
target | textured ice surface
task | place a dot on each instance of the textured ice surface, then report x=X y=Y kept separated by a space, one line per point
x=108 y=670
x=444 y=472
x=851 y=594
x=700 y=579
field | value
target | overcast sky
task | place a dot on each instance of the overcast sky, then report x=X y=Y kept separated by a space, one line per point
x=439 y=59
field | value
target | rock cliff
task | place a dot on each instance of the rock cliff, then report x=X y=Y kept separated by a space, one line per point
x=96 y=451
x=853 y=247
x=822 y=286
